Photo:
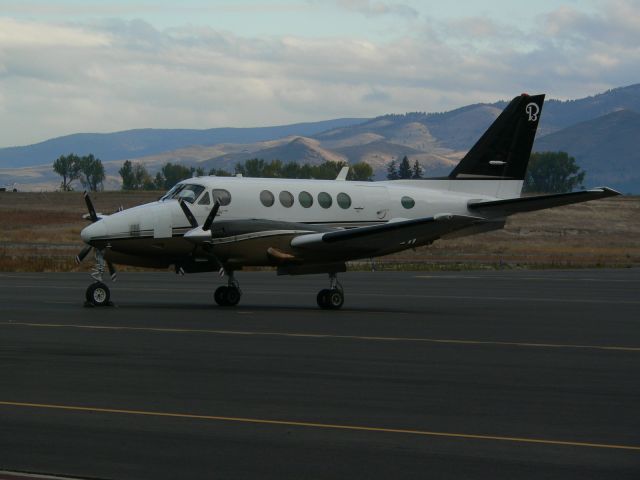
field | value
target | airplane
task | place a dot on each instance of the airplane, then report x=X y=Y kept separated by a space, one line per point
x=223 y=224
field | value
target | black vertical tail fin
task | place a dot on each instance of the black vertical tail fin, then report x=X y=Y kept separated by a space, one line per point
x=504 y=149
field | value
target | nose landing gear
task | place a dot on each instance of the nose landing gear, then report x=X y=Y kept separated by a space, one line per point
x=98 y=294
x=331 y=298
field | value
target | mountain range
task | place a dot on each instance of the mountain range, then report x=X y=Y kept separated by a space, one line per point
x=600 y=131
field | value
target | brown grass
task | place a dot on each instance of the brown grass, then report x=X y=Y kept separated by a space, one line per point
x=41 y=232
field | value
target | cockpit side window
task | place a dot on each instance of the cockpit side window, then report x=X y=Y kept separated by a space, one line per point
x=205 y=200
x=185 y=191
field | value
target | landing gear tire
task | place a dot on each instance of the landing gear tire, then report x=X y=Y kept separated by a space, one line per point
x=330 y=299
x=227 y=296
x=98 y=295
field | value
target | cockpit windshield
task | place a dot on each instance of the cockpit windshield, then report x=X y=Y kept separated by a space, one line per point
x=184 y=191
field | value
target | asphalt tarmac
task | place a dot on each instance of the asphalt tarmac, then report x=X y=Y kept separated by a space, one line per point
x=510 y=374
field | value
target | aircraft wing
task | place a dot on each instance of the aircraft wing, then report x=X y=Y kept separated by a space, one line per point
x=388 y=236
x=538 y=202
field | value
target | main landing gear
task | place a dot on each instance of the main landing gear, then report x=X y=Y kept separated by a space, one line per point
x=228 y=295
x=331 y=298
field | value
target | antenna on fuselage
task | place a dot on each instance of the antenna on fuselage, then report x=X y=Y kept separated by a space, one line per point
x=342 y=176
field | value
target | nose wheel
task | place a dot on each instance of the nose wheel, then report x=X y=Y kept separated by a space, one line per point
x=331 y=298
x=98 y=295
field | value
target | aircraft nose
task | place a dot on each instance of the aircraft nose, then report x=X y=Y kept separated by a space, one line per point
x=93 y=231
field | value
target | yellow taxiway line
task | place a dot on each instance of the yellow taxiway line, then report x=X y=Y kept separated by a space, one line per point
x=327 y=336
x=331 y=426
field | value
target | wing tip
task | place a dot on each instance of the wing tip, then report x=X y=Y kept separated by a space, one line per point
x=609 y=192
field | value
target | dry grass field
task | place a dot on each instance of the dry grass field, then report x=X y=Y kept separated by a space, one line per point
x=41 y=232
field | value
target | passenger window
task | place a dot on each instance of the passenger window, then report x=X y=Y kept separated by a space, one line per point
x=205 y=200
x=408 y=202
x=286 y=199
x=305 y=199
x=223 y=197
x=267 y=198
x=344 y=200
x=324 y=199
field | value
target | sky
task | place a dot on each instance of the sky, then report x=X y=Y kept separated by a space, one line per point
x=102 y=66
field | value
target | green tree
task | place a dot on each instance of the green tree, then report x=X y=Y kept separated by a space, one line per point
x=553 y=172
x=392 y=171
x=142 y=179
x=417 y=171
x=327 y=170
x=91 y=172
x=135 y=177
x=126 y=172
x=172 y=173
x=253 y=167
x=404 y=171
x=360 y=171
x=273 y=169
x=159 y=181
x=68 y=167
x=219 y=172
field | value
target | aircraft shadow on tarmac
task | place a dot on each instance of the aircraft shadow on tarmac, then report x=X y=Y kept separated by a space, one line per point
x=210 y=307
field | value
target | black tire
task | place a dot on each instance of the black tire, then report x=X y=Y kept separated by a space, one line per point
x=220 y=296
x=232 y=296
x=98 y=294
x=322 y=298
x=335 y=299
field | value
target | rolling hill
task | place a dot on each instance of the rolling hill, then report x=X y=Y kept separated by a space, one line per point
x=605 y=147
x=601 y=131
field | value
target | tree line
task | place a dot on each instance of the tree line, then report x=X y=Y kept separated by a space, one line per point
x=136 y=177
x=548 y=172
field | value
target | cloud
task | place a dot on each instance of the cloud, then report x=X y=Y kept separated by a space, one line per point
x=375 y=8
x=114 y=74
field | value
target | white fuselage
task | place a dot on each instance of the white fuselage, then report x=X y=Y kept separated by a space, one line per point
x=370 y=202
x=155 y=231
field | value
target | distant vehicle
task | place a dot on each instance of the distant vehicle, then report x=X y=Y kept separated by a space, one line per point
x=8 y=188
x=314 y=226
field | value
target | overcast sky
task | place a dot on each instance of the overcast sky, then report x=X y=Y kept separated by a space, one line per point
x=103 y=66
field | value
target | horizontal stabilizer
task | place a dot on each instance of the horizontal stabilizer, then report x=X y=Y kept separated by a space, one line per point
x=539 y=202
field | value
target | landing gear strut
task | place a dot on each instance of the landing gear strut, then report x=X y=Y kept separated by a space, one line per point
x=228 y=295
x=98 y=294
x=331 y=298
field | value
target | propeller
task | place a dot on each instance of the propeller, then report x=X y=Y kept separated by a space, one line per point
x=93 y=216
x=192 y=219
x=206 y=226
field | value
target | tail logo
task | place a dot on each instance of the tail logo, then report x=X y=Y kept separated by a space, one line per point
x=533 y=110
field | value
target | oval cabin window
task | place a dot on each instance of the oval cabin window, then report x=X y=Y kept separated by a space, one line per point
x=408 y=202
x=344 y=200
x=267 y=198
x=223 y=197
x=305 y=199
x=324 y=199
x=286 y=199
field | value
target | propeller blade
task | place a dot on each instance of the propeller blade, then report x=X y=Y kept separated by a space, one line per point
x=212 y=215
x=83 y=253
x=188 y=214
x=112 y=270
x=92 y=211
